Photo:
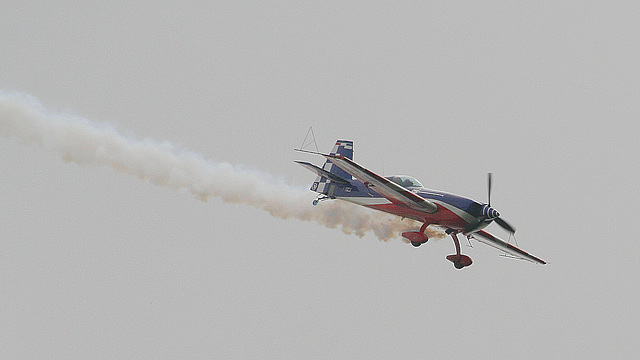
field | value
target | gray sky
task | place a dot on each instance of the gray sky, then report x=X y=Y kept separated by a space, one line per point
x=98 y=264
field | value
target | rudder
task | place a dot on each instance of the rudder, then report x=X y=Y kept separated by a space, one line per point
x=342 y=148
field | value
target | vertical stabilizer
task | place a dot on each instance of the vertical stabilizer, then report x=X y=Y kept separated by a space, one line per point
x=342 y=148
x=322 y=184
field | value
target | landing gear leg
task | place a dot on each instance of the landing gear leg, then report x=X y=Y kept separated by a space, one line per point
x=417 y=238
x=458 y=260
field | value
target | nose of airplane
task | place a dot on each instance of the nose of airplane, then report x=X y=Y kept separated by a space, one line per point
x=490 y=212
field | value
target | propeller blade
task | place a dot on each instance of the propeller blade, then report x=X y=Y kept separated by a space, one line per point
x=489 y=187
x=505 y=225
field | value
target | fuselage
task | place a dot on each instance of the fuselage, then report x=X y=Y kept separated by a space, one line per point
x=454 y=211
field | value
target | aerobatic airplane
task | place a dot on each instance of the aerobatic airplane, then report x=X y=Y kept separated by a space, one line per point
x=341 y=178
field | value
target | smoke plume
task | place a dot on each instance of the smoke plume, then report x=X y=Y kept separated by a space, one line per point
x=161 y=163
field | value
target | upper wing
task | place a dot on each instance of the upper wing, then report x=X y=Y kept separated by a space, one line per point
x=493 y=241
x=390 y=190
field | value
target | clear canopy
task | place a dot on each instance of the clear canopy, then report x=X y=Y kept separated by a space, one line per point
x=405 y=181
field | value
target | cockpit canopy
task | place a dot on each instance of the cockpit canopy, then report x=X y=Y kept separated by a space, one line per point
x=405 y=181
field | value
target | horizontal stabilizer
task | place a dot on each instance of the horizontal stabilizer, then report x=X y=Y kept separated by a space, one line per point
x=325 y=173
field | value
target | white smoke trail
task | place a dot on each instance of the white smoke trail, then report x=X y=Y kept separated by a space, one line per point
x=87 y=143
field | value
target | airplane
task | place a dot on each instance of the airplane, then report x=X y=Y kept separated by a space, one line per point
x=341 y=178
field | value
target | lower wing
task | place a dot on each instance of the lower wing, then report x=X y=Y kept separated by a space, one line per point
x=494 y=241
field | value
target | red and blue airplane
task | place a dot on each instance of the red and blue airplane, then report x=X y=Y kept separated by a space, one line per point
x=342 y=178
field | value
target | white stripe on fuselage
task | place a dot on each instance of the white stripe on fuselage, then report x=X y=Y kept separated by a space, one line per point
x=365 y=201
x=461 y=213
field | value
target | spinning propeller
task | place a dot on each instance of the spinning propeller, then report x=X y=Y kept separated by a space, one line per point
x=489 y=214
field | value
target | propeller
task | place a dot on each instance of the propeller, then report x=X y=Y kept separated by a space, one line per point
x=489 y=213
x=489 y=175
x=505 y=225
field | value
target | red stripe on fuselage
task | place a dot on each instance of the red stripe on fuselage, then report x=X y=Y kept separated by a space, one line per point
x=443 y=216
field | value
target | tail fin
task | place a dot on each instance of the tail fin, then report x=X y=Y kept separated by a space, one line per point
x=330 y=174
x=343 y=148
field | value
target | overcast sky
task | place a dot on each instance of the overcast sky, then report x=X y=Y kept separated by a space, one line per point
x=98 y=264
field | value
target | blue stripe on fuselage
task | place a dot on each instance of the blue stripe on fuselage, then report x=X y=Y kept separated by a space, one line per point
x=467 y=205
